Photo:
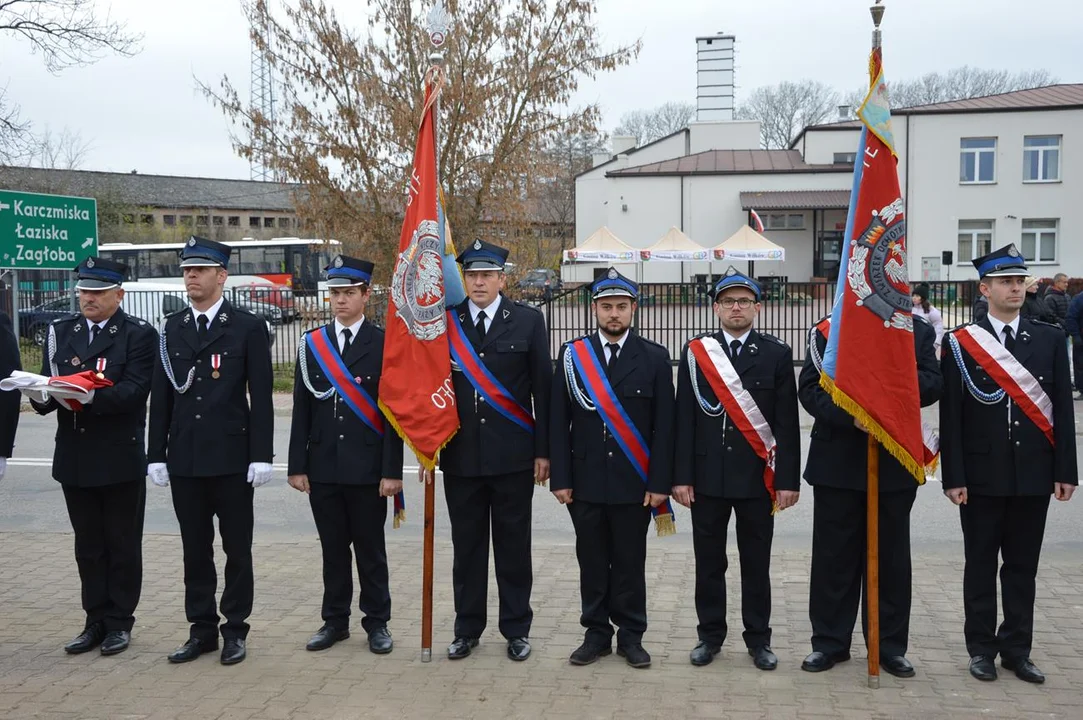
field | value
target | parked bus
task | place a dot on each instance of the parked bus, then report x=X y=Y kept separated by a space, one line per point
x=293 y=262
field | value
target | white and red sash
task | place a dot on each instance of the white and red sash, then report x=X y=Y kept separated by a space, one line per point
x=715 y=365
x=1022 y=387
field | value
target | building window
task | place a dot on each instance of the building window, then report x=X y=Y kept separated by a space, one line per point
x=146 y=218
x=1041 y=158
x=785 y=221
x=202 y=220
x=845 y=158
x=169 y=220
x=268 y=222
x=1039 y=241
x=253 y=221
x=234 y=220
x=128 y=219
x=975 y=239
x=977 y=160
x=186 y=220
x=283 y=222
x=218 y=220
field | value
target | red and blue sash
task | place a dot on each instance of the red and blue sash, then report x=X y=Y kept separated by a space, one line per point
x=616 y=419
x=463 y=353
x=353 y=394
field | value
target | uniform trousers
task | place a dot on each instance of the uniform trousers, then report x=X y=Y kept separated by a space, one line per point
x=755 y=530
x=611 y=545
x=1011 y=527
x=1077 y=364
x=354 y=515
x=838 y=569
x=108 y=525
x=197 y=501
x=475 y=503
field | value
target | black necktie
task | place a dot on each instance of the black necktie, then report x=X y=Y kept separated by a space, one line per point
x=94 y=330
x=480 y=326
x=346 y=336
x=202 y=330
x=735 y=347
x=614 y=348
x=1009 y=339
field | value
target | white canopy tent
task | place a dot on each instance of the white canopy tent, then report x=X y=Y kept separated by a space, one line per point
x=675 y=246
x=747 y=244
x=602 y=247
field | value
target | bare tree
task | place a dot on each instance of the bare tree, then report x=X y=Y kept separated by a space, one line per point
x=65 y=151
x=566 y=156
x=958 y=84
x=65 y=33
x=351 y=102
x=784 y=109
x=649 y=125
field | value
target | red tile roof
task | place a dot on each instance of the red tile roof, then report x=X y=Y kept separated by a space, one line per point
x=736 y=162
x=795 y=200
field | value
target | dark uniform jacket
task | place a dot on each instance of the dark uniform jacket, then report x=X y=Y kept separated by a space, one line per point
x=990 y=452
x=10 y=360
x=328 y=441
x=711 y=453
x=103 y=444
x=838 y=453
x=516 y=352
x=210 y=430
x=585 y=456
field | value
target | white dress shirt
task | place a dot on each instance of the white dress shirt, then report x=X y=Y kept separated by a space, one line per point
x=211 y=314
x=729 y=341
x=998 y=327
x=605 y=341
x=339 y=327
x=490 y=312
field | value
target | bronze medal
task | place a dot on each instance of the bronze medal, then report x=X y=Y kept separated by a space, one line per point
x=100 y=376
x=216 y=374
x=75 y=360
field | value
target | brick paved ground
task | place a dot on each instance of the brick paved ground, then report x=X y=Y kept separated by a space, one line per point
x=40 y=612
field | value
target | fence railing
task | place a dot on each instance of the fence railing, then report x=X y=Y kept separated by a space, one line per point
x=668 y=313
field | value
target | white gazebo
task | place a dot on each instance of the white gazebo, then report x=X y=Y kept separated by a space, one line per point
x=601 y=248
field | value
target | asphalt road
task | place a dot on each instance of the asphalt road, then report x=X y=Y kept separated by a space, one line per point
x=30 y=500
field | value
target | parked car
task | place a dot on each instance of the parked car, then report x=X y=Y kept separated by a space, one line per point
x=540 y=283
x=271 y=313
x=278 y=295
x=34 y=322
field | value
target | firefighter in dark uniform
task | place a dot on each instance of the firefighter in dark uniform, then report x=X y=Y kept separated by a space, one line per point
x=492 y=463
x=717 y=471
x=100 y=459
x=836 y=469
x=10 y=361
x=606 y=495
x=341 y=461
x=1001 y=463
x=216 y=449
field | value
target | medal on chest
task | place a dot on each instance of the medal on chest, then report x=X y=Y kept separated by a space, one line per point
x=216 y=365
x=101 y=368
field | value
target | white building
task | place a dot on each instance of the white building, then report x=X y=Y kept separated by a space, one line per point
x=975 y=174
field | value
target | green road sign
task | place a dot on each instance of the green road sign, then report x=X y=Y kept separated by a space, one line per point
x=46 y=232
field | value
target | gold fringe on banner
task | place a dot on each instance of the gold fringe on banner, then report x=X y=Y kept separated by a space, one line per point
x=663 y=523
x=844 y=401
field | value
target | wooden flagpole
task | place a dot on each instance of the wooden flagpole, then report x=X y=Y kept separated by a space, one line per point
x=872 y=490
x=872 y=558
x=437 y=23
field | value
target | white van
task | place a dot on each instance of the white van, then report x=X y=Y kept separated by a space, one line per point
x=152 y=301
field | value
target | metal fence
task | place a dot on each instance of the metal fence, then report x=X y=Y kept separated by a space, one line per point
x=669 y=314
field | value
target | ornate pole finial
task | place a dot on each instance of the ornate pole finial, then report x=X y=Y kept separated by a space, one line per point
x=877 y=12
x=438 y=23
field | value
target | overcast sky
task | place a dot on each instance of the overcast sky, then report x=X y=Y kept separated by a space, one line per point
x=143 y=113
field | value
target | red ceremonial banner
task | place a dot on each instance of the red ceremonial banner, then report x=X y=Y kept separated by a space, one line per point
x=416 y=394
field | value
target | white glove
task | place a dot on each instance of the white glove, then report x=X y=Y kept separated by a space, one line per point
x=3 y=467
x=90 y=397
x=259 y=473
x=159 y=474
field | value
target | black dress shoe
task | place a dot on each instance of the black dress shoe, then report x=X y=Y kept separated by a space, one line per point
x=518 y=649
x=635 y=655
x=192 y=649
x=460 y=647
x=87 y=640
x=233 y=651
x=380 y=641
x=763 y=658
x=703 y=653
x=1024 y=670
x=589 y=652
x=116 y=641
x=327 y=636
x=983 y=667
x=818 y=661
x=897 y=665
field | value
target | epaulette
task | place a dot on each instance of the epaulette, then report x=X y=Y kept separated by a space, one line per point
x=775 y=340
x=135 y=320
x=177 y=312
x=526 y=305
x=959 y=327
x=922 y=318
x=1047 y=324
x=70 y=317
x=243 y=311
x=658 y=345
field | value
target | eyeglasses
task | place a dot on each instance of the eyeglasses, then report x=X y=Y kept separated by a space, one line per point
x=743 y=303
